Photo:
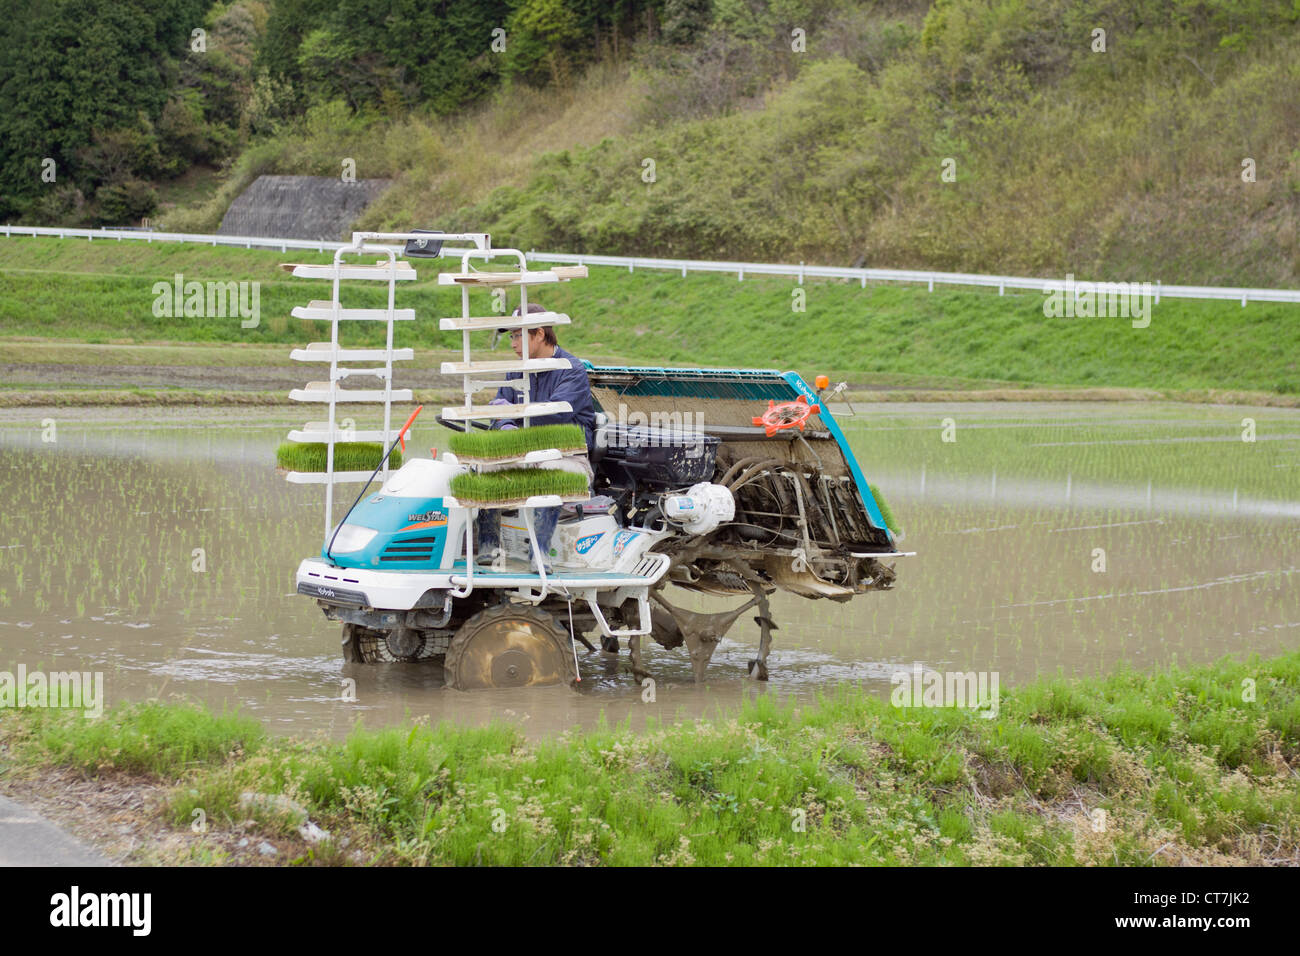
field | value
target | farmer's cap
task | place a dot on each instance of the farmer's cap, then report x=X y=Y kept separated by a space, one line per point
x=532 y=307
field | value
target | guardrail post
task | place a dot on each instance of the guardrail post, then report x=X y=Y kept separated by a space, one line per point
x=1157 y=292
x=1002 y=288
x=931 y=281
x=801 y=272
x=740 y=276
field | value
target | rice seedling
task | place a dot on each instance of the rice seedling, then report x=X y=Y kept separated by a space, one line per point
x=348 y=456
x=514 y=443
x=885 y=511
x=516 y=484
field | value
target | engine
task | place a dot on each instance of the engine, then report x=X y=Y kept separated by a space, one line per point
x=701 y=509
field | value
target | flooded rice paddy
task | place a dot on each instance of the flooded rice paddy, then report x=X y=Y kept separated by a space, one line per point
x=1013 y=518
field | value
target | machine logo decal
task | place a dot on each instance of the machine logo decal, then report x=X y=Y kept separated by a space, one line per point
x=623 y=539
x=584 y=545
x=426 y=519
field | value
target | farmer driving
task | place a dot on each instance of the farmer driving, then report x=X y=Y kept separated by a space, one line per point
x=553 y=385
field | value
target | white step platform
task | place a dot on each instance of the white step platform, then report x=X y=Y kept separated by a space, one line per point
x=402 y=272
x=504 y=365
x=322 y=310
x=323 y=392
x=325 y=352
x=536 y=501
x=462 y=413
x=558 y=274
x=490 y=323
x=319 y=432
x=321 y=478
x=531 y=458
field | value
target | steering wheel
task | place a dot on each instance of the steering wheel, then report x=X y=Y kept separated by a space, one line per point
x=786 y=415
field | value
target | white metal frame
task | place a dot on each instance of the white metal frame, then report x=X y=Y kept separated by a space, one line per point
x=330 y=392
x=471 y=373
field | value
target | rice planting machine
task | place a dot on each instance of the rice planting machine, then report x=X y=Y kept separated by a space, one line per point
x=723 y=481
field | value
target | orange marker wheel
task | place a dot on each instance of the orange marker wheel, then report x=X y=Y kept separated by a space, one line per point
x=786 y=415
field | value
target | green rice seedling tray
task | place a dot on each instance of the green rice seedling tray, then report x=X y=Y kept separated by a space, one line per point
x=516 y=485
x=348 y=456
x=513 y=444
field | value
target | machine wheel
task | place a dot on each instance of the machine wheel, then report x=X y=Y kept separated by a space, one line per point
x=510 y=645
x=365 y=645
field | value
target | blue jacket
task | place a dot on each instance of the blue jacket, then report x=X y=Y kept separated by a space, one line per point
x=557 y=385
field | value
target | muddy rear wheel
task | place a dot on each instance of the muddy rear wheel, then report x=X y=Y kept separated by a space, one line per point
x=366 y=645
x=512 y=645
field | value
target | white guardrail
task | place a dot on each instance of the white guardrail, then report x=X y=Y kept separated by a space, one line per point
x=741 y=269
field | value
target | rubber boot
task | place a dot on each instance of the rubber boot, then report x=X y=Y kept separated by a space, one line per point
x=544 y=521
x=488 y=537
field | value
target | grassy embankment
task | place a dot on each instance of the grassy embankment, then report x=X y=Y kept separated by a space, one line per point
x=1189 y=766
x=95 y=301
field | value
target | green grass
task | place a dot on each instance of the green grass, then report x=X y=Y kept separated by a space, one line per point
x=515 y=442
x=164 y=740
x=513 y=484
x=1190 y=765
x=65 y=290
x=348 y=456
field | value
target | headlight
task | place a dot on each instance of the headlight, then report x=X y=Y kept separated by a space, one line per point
x=352 y=537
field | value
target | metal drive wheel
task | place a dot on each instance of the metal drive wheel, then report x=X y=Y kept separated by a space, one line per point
x=365 y=645
x=511 y=645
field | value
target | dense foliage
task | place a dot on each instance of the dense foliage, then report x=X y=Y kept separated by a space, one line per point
x=1130 y=139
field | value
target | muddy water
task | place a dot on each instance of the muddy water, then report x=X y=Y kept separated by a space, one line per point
x=160 y=550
